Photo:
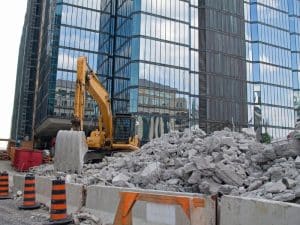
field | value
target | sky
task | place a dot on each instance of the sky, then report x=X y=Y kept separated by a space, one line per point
x=12 y=15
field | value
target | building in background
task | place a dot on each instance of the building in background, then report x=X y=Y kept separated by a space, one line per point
x=222 y=67
x=294 y=18
x=273 y=64
x=181 y=52
x=69 y=29
x=26 y=73
x=174 y=64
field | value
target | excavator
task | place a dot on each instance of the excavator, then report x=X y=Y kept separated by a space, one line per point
x=114 y=133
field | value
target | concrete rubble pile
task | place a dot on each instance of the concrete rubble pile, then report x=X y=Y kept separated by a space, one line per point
x=224 y=162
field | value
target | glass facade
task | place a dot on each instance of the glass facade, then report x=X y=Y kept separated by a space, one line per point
x=146 y=63
x=223 y=91
x=272 y=64
x=26 y=73
x=149 y=60
x=70 y=28
x=174 y=64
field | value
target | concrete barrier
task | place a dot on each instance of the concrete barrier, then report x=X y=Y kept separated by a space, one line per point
x=75 y=197
x=43 y=187
x=18 y=183
x=103 y=202
x=246 y=211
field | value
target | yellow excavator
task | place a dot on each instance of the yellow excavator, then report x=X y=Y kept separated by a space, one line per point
x=114 y=133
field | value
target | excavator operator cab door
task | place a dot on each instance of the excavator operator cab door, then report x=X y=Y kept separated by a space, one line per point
x=124 y=127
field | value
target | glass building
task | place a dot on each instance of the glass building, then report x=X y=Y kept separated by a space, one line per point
x=174 y=64
x=272 y=43
x=26 y=73
x=149 y=61
x=222 y=65
x=69 y=28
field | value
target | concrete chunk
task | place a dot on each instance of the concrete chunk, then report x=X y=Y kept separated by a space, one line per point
x=120 y=180
x=289 y=183
x=275 y=187
x=297 y=162
x=204 y=163
x=285 y=197
x=151 y=173
x=228 y=175
x=189 y=167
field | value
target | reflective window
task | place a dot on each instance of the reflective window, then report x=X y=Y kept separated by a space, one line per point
x=273 y=63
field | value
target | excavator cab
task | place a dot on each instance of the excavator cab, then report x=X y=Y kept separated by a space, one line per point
x=124 y=127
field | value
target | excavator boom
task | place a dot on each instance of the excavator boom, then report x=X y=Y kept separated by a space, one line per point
x=88 y=81
x=79 y=100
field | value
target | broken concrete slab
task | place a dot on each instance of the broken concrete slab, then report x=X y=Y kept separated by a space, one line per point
x=121 y=180
x=297 y=162
x=289 y=183
x=285 y=196
x=151 y=173
x=275 y=187
x=228 y=174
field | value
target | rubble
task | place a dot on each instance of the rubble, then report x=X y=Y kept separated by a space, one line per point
x=297 y=162
x=86 y=218
x=223 y=162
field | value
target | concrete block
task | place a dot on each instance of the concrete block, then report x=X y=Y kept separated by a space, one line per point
x=18 y=183
x=75 y=197
x=74 y=192
x=246 y=211
x=103 y=201
x=43 y=186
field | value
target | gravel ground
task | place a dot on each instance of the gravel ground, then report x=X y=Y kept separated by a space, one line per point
x=10 y=215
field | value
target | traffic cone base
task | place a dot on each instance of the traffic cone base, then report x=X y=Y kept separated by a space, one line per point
x=68 y=220
x=5 y=197
x=30 y=207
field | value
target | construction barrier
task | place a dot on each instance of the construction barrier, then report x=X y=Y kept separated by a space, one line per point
x=29 y=202
x=247 y=211
x=4 y=186
x=58 y=212
x=191 y=206
x=75 y=192
x=103 y=201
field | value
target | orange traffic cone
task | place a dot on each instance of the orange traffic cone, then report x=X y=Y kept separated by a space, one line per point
x=58 y=213
x=4 y=186
x=29 y=194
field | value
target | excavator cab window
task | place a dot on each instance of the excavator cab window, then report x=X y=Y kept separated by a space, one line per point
x=124 y=127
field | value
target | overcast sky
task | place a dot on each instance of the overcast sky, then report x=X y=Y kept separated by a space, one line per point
x=12 y=13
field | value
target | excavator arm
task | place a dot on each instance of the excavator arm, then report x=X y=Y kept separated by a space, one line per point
x=88 y=81
x=79 y=99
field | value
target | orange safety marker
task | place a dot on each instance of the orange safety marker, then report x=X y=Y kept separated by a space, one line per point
x=29 y=202
x=189 y=205
x=4 y=186
x=58 y=213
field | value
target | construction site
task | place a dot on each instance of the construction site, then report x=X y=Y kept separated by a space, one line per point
x=190 y=177
x=155 y=112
